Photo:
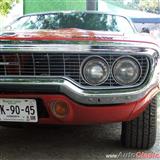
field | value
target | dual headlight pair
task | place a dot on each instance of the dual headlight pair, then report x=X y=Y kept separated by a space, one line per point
x=125 y=70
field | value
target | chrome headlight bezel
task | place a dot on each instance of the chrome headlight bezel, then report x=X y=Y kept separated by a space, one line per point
x=133 y=60
x=100 y=60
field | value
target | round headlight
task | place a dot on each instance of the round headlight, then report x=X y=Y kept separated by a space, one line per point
x=94 y=70
x=126 y=70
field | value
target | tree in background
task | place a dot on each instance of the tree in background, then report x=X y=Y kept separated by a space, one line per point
x=6 y=6
x=120 y=3
x=152 y=6
x=149 y=5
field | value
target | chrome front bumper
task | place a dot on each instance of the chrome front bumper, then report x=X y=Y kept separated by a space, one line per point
x=87 y=97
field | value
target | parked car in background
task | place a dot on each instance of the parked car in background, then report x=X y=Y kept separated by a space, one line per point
x=80 y=68
x=148 y=25
x=147 y=22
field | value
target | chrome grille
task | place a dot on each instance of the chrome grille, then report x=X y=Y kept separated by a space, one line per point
x=58 y=65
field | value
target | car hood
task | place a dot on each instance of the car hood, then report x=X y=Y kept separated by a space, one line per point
x=73 y=34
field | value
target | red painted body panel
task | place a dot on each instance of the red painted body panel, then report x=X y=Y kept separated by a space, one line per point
x=73 y=34
x=80 y=114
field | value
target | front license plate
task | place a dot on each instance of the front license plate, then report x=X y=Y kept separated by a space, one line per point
x=18 y=110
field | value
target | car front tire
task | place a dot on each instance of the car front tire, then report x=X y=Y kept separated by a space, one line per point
x=140 y=133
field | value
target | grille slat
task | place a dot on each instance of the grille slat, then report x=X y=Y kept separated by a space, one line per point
x=60 y=64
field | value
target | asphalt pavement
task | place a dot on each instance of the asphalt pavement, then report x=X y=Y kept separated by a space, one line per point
x=97 y=142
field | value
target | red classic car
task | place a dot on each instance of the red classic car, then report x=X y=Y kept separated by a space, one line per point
x=80 y=68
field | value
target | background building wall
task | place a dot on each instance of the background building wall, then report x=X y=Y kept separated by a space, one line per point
x=31 y=6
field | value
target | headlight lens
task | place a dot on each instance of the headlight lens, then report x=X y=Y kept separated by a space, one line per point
x=126 y=70
x=94 y=70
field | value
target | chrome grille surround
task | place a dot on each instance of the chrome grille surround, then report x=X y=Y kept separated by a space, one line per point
x=66 y=65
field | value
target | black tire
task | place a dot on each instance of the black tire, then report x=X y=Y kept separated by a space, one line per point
x=140 y=133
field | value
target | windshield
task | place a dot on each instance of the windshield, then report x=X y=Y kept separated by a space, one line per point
x=87 y=21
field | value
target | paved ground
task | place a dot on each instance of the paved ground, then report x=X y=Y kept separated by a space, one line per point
x=64 y=143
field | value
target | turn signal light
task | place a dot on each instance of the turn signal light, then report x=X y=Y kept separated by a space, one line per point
x=60 y=109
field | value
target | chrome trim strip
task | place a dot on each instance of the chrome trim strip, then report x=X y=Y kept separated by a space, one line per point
x=136 y=48
x=44 y=48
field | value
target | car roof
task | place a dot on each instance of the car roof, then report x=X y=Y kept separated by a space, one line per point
x=91 y=12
